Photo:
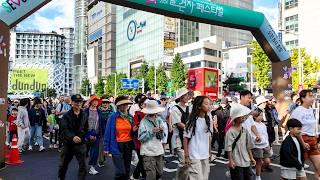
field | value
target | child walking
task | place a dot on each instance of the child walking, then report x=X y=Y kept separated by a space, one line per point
x=291 y=153
x=261 y=151
x=238 y=144
x=53 y=129
x=12 y=123
x=197 y=140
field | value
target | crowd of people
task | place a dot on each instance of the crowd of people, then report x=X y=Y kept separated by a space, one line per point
x=189 y=126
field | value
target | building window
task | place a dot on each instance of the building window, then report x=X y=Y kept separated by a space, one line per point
x=210 y=52
x=291 y=23
x=291 y=4
x=195 y=64
x=191 y=53
x=292 y=44
x=211 y=64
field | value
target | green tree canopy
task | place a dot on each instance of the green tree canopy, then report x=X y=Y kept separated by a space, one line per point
x=49 y=92
x=162 y=79
x=143 y=75
x=85 y=87
x=178 y=73
x=262 y=65
x=110 y=83
x=99 y=87
x=150 y=78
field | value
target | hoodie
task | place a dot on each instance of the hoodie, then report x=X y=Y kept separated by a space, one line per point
x=23 y=117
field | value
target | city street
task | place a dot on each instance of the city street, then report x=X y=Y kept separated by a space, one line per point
x=44 y=166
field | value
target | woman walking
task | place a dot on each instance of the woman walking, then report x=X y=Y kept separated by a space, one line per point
x=118 y=138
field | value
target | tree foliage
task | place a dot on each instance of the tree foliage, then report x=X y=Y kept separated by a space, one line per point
x=49 y=92
x=178 y=73
x=150 y=78
x=162 y=79
x=99 y=87
x=85 y=87
x=310 y=69
x=262 y=65
x=234 y=83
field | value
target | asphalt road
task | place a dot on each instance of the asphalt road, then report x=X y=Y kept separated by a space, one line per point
x=44 y=166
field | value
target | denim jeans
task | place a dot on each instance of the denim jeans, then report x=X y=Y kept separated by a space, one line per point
x=94 y=152
x=36 y=129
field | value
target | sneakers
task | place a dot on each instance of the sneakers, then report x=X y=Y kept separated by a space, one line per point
x=132 y=178
x=93 y=171
x=41 y=149
x=306 y=166
x=30 y=148
x=36 y=144
x=55 y=146
x=100 y=165
x=51 y=146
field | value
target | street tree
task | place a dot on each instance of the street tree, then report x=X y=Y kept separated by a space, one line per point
x=49 y=92
x=85 y=87
x=262 y=65
x=99 y=87
x=110 y=85
x=162 y=79
x=150 y=78
x=143 y=75
x=178 y=73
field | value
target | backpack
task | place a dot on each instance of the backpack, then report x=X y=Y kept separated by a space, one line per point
x=184 y=117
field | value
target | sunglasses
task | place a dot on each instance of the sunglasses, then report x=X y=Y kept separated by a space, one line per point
x=163 y=99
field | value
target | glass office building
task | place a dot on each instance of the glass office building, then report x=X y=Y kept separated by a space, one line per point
x=140 y=38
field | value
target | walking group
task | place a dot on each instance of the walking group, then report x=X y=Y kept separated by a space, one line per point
x=188 y=126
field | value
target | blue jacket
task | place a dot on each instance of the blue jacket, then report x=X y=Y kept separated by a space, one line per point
x=100 y=123
x=110 y=137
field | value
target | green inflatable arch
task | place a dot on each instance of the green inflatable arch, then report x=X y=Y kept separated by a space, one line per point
x=216 y=14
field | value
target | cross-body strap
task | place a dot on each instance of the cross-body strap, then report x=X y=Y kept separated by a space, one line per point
x=236 y=140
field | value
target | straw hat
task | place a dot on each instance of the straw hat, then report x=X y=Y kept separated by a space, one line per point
x=152 y=107
x=261 y=99
x=124 y=101
x=238 y=110
x=181 y=92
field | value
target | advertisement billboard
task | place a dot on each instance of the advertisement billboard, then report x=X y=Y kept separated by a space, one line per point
x=28 y=80
x=204 y=80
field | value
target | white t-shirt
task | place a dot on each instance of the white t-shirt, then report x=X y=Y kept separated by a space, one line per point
x=295 y=140
x=248 y=123
x=176 y=117
x=199 y=142
x=262 y=129
x=307 y=118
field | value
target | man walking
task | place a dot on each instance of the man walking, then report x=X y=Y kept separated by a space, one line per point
x=74 y=126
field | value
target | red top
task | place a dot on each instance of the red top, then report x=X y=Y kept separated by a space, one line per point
x=12 y=125
x=138 y=116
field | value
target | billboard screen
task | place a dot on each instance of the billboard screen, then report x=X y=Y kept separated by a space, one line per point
x=28 y=80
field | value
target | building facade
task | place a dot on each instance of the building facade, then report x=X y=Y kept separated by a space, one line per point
x=80 y=44
x=206 y=53
x=297 y=20
x=36 y=50
x=188 y=32
x=143 y=37
x=237 y=63
x=68 y=33
x=101 y=40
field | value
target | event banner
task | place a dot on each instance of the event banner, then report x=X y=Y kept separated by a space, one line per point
x=28 y=80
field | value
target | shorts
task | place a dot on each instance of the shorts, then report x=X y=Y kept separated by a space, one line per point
x=313 y=143
x=292 y=173
x=261 y=153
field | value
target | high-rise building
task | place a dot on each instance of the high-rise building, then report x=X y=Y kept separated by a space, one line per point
x=80 y=51
x=297 y=21
x=188 y=32
x=101 y=40
x=142 y=37
x=40 y=51
x=68 y=33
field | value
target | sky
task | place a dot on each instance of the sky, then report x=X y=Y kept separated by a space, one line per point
x=60 y=13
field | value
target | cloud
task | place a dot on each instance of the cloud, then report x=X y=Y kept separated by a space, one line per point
x=51 y=17
x=272 y=14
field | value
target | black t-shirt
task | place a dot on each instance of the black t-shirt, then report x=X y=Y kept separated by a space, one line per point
x=37 y=116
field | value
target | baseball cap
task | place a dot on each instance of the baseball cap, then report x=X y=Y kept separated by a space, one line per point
x=76 y=98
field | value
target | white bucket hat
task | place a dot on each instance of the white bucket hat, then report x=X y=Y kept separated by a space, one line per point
x=238 y=110
x=152 y=107
x=181 y=92
x=261 y=99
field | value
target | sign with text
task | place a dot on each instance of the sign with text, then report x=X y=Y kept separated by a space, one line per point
x=28 y=80
x=130 y=83
x=169 y=44
x=11 y=11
